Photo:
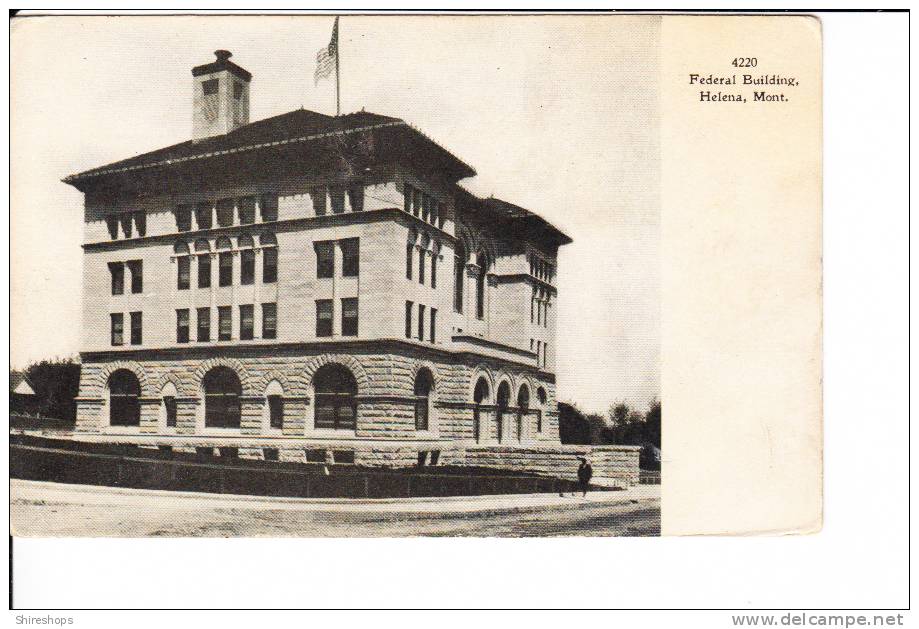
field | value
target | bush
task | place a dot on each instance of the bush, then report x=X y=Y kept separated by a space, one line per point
x=56 y=383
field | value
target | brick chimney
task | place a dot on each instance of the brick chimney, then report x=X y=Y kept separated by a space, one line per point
x=221 y=97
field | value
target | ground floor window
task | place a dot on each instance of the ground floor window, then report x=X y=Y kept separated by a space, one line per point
x=222 y=390
x=335 y=392
x=124 y=399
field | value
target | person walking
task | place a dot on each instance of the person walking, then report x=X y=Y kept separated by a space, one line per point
x=585 y=472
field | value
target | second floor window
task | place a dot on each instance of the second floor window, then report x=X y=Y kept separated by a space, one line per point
x=204 y=324
x=246 y=322
x=270 y=265
x=183 y=218
x=349 y=317
x=117 y=271
x=421 y=255
x=269 y=321
x=420 y=322
x=182 y=325
x=268 y=204
x=224 y=323
x=350 y=257
x=204 y=271
x=247 y=210
x=325 y=259
x=137 y=327
x=323 y=317
x=137 y=275
x=409 y=251
x=117 y=328
x=204 y=214
x=408 y=319
x=184 y=281
x=247 y=266
x=226 y=268
x=225 y=208
x=433 y=325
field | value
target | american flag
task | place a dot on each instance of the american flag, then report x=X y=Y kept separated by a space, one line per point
x=326 y=57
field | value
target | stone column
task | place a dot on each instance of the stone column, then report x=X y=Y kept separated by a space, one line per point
x=149 y=415
x=186 y=415
x=295 y=415
x=251 y=413
x=89 y=414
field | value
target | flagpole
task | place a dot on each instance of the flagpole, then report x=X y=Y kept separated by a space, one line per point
x=337 y=70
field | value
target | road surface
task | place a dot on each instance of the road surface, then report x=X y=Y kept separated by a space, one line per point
x=43 y=509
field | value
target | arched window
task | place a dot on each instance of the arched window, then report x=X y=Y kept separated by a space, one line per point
x=482 y=262
x=183 y=264
x=203 y=249
x=504 y=397
x=424 y=384
x=541 y=396
x=222 y=390
x=523 y=408
x=246 y=260
x=479 y=395
x=225 y=261
x=335 y=391
x=459 y=275
x=168 y=409
x=274 y=394
x=180 y=248
x=409 y=253
x=124 y=398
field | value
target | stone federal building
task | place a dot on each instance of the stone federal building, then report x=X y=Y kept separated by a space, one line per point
x=313 y=288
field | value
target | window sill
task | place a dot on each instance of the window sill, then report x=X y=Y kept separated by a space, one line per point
x=330 y=432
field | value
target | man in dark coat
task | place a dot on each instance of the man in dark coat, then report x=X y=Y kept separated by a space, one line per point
x=585 y=472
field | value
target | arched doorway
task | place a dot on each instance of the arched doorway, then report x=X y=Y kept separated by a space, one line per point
x=222 y=390
x=424 y=385
x=479 y=395
x=335 y=390
x=504 y=397
x=523 y=408
x=124 y=398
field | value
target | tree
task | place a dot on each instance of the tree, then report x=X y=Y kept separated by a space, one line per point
x=619 y=414
x=573 y=426
x=56 y=384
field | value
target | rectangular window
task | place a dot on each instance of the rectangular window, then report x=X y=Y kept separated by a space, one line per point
x=137 y=328
x=111 y=222
x=325 y=259
x=269 y=321
x=433 y=325
x=337 y=200
x=224 y=323
x=172 y=411
x=182 y=325
x=140 y=223
x=225 y=208
x=408 y=319
x=538 y=312
x=434 y=269
x=318 y=196
x=226 y=268
x=420 y=322
x=237 y=90
x=204 y=324
x=269 y=207
x=247 y=267
x=323 y=317
x=117 y=328
x=409 y=251
x=350 y=257
x=349 y=316
x=117 y=271
x=209 y=87
x=137 y=275
x=407 y=194
x=204 y=215
x=246 y=322
x=416 y=201
x=538 y=353
x=126 y=225
x=276 y=411
x=421 y=257
x=247 y=210
x=545 y=354
x=204 y=271
x=269 y=265
x=184 y=277
x=356 y=198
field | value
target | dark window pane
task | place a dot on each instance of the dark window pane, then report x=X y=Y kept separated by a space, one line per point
x=224 y=323
x=117 y=328
x=172 y=414
x=409 y=251
x=350 y=254
x=337 y=200
x=126 y=225
x=276 y=411
x=319 y=203
x=356 y=198
x=204 y=324
x=246 y=322
x=325 y=259
x=182 y=325
x=222 y=390
x=111 y=222
x=269 y=207
x=137 y=275
x=335 y=389
x=137 y=324
x=226 y=268
x=204 y=215
x=209 y=87
x=247 y=210
x=421 y=414
x=349 y=317
x=421 y=264
x=117 y=271
x=225 y=208
x=434 y=270
x=140 y=223
x=269 y=321
x=420 y=322
x=433 y=324
x=323 y=317
x=124 y=402
x=237 y=90
x=247 y=267
x=184 y=278
x=269 y=265
x=407 y=203
x=204 y=271
x=408 y=319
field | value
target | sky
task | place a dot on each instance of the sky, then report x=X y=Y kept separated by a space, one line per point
x=558 y=114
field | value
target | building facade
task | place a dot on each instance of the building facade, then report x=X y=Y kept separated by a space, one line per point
x=316 y=288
